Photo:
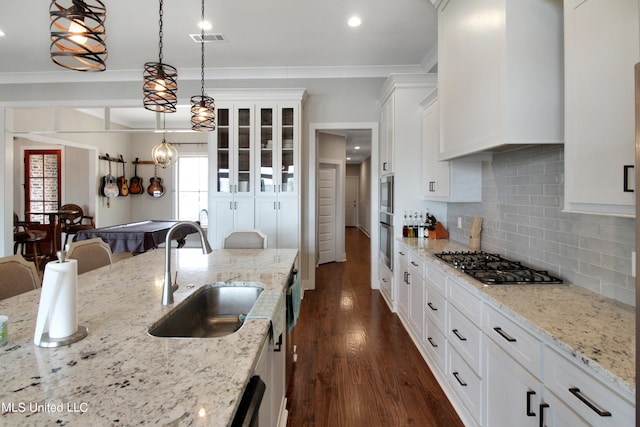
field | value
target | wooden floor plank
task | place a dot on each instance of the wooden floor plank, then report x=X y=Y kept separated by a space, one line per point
x=356 y=365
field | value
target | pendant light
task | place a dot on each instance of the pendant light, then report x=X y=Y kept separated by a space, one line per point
x=78 y=36
x=160 y=82
x=203 y=115
x=164 y=154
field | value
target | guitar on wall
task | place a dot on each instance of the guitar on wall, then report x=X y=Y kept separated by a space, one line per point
x=155 y=188
x=122 y=181
x=135 y=186
x=109 y=188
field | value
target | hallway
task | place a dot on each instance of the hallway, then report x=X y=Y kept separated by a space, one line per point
x=356 y=364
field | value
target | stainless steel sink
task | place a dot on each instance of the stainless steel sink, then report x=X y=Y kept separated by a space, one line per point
x=214 y=310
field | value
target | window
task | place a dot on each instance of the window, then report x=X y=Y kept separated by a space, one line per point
x=42 y=183
x=193 y=184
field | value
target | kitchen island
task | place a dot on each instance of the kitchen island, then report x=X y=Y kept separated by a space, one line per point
x=120 y=375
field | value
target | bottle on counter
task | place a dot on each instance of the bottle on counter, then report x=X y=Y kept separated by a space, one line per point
x=421 y=227
x=405 y=226
x=415 y=224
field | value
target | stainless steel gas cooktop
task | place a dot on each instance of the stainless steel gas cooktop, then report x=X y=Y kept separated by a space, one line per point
x=492 y=269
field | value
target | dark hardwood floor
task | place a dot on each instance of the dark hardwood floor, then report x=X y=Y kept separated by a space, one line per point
x=356 y=364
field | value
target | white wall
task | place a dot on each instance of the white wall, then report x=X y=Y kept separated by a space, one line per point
x=329 y=100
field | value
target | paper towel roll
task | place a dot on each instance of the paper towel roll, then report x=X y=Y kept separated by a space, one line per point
x=58 y=310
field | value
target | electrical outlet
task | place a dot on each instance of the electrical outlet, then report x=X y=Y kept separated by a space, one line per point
x=633 y=263
x=459 y=222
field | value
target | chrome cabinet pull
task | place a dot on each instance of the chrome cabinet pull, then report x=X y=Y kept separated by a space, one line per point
x=460 y=337
x=504 y=335
x=577 y=393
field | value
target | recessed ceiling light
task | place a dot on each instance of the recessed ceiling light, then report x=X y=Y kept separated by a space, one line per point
x=354 y=21
x=205 y=25
x=357 y=147
x=348 y=158
x=2 y=33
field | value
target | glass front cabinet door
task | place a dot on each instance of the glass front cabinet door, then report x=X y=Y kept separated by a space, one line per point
x=277 y=135
x=233 y=140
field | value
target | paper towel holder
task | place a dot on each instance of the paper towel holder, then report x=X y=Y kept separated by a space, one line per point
x=48 y=342
x=45 y=340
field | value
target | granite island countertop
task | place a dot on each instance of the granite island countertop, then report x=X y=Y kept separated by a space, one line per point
x=596 y=331
x=120 y=375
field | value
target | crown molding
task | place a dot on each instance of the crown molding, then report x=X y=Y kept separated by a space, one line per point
x=235 y=73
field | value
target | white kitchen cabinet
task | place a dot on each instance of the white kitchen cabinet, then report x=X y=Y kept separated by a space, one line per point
x=279 y=219
x=416 y=296
x=386 y=137
x=401 y=264
x=583 y=394
x=435 y=317
x=278 y=163
x=445 y=181
x=231 y=212
x=401 y=136
x=602 y=44
x=271 y=369
x=255 y=153
x=500 y=74
x=386 y=283
x=231 y=159
x=513 y=395
x=513 y=377
x=467 y=385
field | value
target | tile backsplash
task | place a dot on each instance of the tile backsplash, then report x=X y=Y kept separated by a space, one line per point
x=522 y=215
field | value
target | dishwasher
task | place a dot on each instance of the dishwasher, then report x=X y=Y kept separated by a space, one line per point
x=249 y=407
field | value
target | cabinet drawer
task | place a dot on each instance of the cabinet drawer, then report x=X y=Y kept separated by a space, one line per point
x=582 y=392
x=417 y=263
x=514 y=339
x=465 y=337
x=466 y=384
x=468 y=304
x=436 y=344
x=437 y=277
x=436 y=306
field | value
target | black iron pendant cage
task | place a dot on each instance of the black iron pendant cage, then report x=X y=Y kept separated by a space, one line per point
x=160 y=87
x=203 y=116
x=78 y=36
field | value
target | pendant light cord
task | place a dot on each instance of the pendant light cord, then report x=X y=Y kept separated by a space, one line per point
x=202 y=49
x=160 y=33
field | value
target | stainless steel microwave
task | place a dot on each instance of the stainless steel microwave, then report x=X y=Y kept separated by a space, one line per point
x=386 y=194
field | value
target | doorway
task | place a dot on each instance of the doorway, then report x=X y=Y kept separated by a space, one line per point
x=366 y=208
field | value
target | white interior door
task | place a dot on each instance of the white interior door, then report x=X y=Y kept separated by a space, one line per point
x=326 y=215
x=351 y=201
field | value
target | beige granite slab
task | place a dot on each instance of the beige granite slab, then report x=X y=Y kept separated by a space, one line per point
x=596 y=331
x=120 y=375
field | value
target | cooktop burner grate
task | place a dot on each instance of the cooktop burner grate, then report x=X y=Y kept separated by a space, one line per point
x=492 y=269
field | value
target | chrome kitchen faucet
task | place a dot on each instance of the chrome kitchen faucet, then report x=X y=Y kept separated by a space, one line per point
x=168 y=289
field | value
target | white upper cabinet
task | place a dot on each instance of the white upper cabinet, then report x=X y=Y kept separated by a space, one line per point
x=499 y=74
x=445 y=181
x=601 y=47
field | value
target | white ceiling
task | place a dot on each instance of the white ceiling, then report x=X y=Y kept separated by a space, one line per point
x=264 y=39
